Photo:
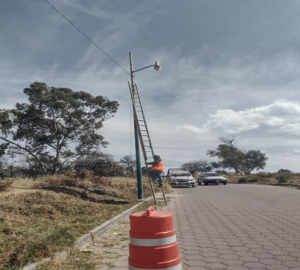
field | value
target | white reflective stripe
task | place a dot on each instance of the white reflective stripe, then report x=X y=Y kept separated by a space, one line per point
x=176 y=267
x=153 y=242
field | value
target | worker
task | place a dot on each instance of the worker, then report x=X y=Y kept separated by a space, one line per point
x=156 y=170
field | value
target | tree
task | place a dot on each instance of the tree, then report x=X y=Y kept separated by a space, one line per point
x=243 y=162
x=100 y=164
x=196 y=166
x=56 y=125
x=129 y=166
x=284 y=171
x=253 y=160
x=3 y=148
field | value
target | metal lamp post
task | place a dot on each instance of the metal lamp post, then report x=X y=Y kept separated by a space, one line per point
x=136 y=135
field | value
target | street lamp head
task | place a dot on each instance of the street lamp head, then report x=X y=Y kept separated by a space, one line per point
x=157 y=66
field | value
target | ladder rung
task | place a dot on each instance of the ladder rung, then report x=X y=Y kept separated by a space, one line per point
x=141 y=122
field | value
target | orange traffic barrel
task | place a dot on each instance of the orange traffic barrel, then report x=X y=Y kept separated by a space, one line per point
x=153 y=243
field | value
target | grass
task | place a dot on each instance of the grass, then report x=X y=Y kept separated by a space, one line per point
x=105 y=256
x=76 y=260
x=281 y=179
x=4 y=185
x=42 y=217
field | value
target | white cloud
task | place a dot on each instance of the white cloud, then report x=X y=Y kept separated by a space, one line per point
x=225 y=69
x=282 y=114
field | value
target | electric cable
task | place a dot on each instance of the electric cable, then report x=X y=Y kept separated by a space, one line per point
x=96 y=82
x=86 y=36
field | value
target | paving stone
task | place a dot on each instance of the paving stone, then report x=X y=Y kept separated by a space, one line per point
x=233 y=227
x=215 y=265
x=254 y=265
x=263 y=255
x=291 y=263
x=276 y=267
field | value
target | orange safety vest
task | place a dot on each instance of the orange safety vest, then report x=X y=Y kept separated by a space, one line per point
x=157 y=167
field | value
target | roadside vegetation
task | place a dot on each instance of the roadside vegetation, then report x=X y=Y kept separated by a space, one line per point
x=41 y=217
x=281 y=178
x=230 y=158
x=55 y=138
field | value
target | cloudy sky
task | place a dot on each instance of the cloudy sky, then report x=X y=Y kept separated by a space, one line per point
x=229 y=68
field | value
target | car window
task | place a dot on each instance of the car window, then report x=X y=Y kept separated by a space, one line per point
x=180 y=174
x=212 y=174
x=209 y=174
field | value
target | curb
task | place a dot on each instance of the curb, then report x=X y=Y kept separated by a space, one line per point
x=87 y=239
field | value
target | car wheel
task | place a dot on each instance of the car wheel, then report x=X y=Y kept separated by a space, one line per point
x=225 y=183
x=199 y=183
x=194 y=185
x=216 y=183
x=205 y=183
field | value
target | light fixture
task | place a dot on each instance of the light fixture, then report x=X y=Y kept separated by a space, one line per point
x=157 y=66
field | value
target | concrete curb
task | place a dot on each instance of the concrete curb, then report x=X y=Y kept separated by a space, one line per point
x=87 y=239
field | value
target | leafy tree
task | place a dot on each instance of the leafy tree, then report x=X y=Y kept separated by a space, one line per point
x=145 y=170
x=3 y=148
x=6 y=169
x=229 y=156
x=129 y=166
x=253 y=160
x=283 y=176
x=243 y=162
x=196 y=166
x=57 y=125
x=100 y=164
x=284 y=171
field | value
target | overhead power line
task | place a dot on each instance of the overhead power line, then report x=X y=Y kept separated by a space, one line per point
x=96 y=82
x=86 y=36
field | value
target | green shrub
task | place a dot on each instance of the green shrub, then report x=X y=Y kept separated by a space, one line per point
x=283 y=177
x=247 y=179
x=242 y=180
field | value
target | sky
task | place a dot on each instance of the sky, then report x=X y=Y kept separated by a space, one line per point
x=229 y=68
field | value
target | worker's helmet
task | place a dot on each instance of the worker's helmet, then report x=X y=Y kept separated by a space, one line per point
x=156 y=157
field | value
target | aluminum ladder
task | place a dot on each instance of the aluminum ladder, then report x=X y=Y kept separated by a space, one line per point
x=143 y=132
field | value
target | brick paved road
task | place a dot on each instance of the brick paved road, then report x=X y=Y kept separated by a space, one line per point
x=237 y=227
x=233 y=227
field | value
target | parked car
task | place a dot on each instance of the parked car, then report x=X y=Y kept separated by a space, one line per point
x=211 y=178
x=173 y=170
x=181 y=179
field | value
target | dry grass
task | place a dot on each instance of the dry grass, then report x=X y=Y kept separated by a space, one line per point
x=105 y=250
x=5 y=185
x=40 y=218
x=281 y=179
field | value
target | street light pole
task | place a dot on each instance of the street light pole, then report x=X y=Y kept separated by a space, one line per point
x=136 y=135
x=136 y=139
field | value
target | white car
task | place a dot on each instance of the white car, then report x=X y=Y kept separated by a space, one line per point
x=211 y=178
x=181 y=179
x=170 y=170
